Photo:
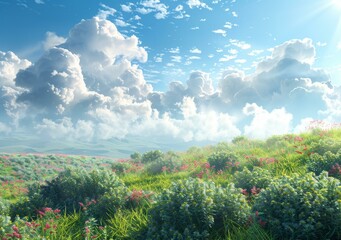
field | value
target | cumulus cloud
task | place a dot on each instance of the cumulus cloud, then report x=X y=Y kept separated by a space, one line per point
x=10 y=64
x=220 y=31
x=149 y=6
x=89 y=85
x=264 y=123
x=52 y=40
x=53 y=82
x=197 y=4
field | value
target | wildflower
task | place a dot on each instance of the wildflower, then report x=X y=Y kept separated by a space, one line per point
x=15 y=228
x=56 y=211
x=244 y=192
x=255 y=190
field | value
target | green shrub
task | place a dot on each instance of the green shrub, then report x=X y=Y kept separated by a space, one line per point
x=31 y=204
x=223 y=160
x=328 y=162
x=136 y=157
x=152 y=156
x=301 y=207
x=4 y=207
x=258 y=178
x=120 y=167
x=168 y=163
x=325 y=145
x=73 y=190
x=192 y=209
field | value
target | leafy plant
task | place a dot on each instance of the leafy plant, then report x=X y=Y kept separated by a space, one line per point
x=223 y=160
x=249 y=181
x=192 y=209
x=328 y=162
x=301 y=207
x=152 y=156
x=75 y=187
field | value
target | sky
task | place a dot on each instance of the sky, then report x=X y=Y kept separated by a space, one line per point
x=177 y=70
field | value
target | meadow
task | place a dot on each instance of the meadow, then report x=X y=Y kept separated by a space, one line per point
x=285 y=187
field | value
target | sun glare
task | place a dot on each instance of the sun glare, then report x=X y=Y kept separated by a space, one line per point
x=337 y=3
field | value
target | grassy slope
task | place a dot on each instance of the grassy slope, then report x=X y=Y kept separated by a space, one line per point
x=282 y=155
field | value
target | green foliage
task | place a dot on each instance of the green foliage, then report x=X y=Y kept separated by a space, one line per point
x=223 y=160
x=328 y=162
x=120 y=167
x=4 y=207
x=169 y=162
x=136 y=156
x=258 y=177
x=326 y=144
x=75 y=189
x=192 y=209
x=31 y=204
x=301 y=207
x=240 y=139
x=152 y=156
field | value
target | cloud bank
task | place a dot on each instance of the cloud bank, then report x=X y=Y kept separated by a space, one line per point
x=89 y=86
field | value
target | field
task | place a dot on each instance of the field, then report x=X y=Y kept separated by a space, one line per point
x=286 y=187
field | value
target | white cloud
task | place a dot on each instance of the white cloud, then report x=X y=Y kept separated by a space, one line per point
x=234 y=14
x=154 y=6
x=121 y=23
x=228 y=25
x=264 y=123
x=195 y=28
x=52 y=40
x=197 y=4
x=175 y=50
x=241 y=44
x=220 y=31
x=179 y=8
x=39 y=1
x=255 y=52
x=193 y=58
x=321 y=44
x=127 y=8
x=105 y=12
x=176 y=59
x=203 y=20
x=227 y=58
x=144 y=11
x=10 y=64
x=195 y=51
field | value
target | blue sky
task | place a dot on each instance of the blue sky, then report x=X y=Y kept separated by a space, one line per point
x=169 y=65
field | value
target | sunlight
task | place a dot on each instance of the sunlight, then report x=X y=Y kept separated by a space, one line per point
x=336 y=3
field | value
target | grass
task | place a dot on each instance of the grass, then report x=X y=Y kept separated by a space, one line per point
x=281 y=155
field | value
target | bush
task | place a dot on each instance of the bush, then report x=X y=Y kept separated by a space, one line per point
x=31 y=204
x=73 y=188
x=325 y=145
x=120 y=167
x=301 y=207
x=152 y=156
x=328 y=162
x=168 y=163
x=4 y=207
x=192 y=209
x=258 y=178
x=223 y=160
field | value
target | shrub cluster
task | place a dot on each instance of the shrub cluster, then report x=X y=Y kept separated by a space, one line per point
x=301 y=207
x=74 y=188
x=192 y=209
x=247 y=180
x=327 y=162
x=223 y=160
